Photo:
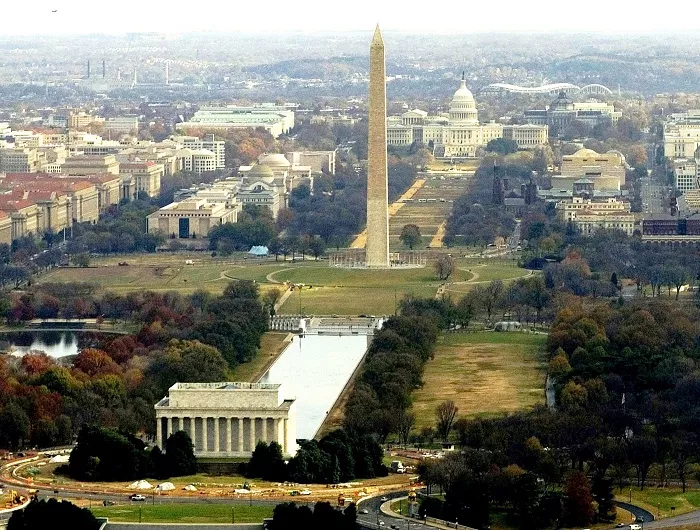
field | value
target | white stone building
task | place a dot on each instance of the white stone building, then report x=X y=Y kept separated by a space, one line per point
x=459 y=133
x=274 y=119
x=227 y=419
x=588 y=215
x=682 y=134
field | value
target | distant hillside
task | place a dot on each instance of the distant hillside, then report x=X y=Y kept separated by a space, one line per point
x=332 y=68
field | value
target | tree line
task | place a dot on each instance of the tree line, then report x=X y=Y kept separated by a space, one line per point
x=114 y=380
x=340 y=456
x=625 y=378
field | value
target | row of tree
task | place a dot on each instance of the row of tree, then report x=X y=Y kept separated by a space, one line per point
x=339 y=456
x=393 y=368
x=103 y=454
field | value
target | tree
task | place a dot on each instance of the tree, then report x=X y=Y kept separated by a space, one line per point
x=81 y=260
x=445 y=415
x=410 y=236
x=578 y=502
x=270 y=298
x=642 y=454
x=317 y=247
x=14 y=427
x=267 y=462
x=404 y=424
x=502 y=146
x=444 y=266
x=179 y=455
x=602 y=492
x=41 y=514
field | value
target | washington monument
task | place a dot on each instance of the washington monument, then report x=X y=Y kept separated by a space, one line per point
x=377 y=249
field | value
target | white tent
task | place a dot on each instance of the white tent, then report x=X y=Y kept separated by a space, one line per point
x=59 y=459
x=165 y=486
x=140 y=485
x=189 y=487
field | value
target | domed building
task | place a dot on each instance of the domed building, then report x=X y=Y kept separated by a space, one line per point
x=563 y=111
x=463 y=106
x=457 y=133
x=292 y=175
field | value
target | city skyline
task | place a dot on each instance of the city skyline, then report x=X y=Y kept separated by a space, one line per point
x=78 y=17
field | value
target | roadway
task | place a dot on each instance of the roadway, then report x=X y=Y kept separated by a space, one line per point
x=376 y=519
x=653 y=197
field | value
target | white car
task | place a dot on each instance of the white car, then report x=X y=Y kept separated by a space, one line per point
x=305 y=492
x=364 y=511
x=137 y=497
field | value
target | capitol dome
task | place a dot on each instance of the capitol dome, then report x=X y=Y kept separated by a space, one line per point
x=273 y=160
x=463 y=107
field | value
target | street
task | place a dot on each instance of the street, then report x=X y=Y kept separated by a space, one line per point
x=653 y=197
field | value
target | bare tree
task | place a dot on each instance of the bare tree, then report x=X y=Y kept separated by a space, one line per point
x=404 y=425
x=445 y=415
x=444 y=266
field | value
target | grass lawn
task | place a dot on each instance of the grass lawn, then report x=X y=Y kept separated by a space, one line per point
x=335 y=290
x=271 y=345
x=661 y=500
x=352 y=300
x=184 y=513
x=483 y=373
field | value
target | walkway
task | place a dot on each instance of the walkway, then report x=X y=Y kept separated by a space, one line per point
x=437 y=240
x=361 y=240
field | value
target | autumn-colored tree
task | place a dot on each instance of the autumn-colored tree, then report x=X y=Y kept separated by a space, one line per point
x=95 y=362
x=578 y=501
x=559 y=365
x=36 y=363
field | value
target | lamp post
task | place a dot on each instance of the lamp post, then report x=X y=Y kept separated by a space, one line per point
x=233 y=516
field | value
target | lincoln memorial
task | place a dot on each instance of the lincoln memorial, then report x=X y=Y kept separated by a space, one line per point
x=227 y=419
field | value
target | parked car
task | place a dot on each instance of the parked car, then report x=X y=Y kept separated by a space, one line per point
x=364 y=511
x=137 y=497
x=108 y=503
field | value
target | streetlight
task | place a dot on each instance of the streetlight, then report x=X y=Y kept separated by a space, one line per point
x=233 y=517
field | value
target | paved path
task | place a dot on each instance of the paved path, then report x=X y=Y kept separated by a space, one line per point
x=361 y=240
x=636 y=511
x=437 y=240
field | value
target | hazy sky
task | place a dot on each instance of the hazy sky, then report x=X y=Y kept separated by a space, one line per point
x=450 y=16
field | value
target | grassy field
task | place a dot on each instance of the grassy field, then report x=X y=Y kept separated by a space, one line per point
x=659 y=501
x=329 y=290
x=184 y=513
x=271 y=346
x=483 y=373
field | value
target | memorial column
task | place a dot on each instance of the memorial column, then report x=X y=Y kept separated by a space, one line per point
x=229 y=434
x=216 y=434
x=193 y=432
x=252 y=434
x=159 y=432
x=239 y=441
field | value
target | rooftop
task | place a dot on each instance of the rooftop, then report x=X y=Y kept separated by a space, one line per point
x=225 y=386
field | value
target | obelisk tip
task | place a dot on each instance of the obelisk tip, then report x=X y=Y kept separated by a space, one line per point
x=377 y=39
